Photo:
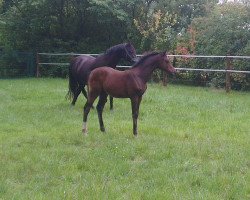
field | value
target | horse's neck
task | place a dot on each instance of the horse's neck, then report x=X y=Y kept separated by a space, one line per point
x=106 y=60
x=144 y=71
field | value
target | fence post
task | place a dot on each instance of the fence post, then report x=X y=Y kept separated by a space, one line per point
x=37 y=65
x=229 y=66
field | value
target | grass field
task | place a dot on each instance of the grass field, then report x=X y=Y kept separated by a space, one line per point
x=193 y=143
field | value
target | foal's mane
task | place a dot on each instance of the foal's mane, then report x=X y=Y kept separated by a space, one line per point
x=144 y=58
x=115 y=48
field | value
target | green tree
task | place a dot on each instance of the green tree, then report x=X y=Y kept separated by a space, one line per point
x=224 y=31
x=64 y=25
x=174 y=18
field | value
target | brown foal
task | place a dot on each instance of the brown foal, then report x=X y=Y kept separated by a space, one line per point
x=131 y=84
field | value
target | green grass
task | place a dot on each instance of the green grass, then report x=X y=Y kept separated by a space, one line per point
x=193 y=143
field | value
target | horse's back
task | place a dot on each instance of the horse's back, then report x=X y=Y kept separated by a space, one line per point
x=119 y=84
x=107 y=73
x=103 y=78
x=82 y=62
x=81 y=65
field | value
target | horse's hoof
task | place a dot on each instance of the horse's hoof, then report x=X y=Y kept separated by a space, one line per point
x=102 y=129
x=85 y=132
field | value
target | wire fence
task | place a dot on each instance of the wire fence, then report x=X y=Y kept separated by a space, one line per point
x=16 y=64
x=186 y=65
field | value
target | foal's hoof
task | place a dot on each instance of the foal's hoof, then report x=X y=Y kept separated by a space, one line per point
x=102 y=129
x=85 y=132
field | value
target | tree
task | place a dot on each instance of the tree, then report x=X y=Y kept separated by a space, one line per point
x=224 y=31
x=64 y=25
x=159 y=22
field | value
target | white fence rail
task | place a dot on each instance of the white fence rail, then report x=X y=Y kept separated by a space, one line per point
x=181 y=69
x=228 y=59
x=139 y=55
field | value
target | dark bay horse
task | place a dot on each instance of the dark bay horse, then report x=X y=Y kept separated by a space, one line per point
x=131 y=83
x=81 y=66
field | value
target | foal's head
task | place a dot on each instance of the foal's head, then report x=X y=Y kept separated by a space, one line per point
x=164 y=63
x=125 y=51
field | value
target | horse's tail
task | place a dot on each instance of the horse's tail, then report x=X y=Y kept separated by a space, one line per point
x=72 y=83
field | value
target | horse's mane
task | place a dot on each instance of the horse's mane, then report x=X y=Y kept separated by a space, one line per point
x=144 y=58
x=115 y=48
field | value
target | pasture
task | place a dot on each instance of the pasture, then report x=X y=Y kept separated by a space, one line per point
x=193 y=143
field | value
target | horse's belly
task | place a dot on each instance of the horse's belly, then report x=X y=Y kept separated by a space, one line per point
x=121 y=85
x=117 y=95
x=116 y=87
x=116 y=92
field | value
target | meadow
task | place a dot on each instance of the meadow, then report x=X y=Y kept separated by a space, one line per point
x=193 y=143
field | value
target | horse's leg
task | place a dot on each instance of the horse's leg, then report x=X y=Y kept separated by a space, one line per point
x=139 y=102
x=84 y=92
x=111 y=102
x=102 y=100
x=86 y=110
x=76 y=94
x=135 y=111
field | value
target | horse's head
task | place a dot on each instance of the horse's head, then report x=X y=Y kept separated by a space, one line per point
x=165 y=63
x=129 y=53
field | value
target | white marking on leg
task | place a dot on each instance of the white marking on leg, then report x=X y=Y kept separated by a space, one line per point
x=84 y=128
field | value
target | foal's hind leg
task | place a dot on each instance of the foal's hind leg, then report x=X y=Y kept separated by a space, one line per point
x=100 y=106
x=85 y=94
x=86 y=110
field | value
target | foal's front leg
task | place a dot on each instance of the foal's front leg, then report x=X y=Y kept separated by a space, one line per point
x=102 y=100
x=135 y=103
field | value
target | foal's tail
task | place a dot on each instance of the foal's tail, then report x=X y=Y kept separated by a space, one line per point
x=72 y=83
